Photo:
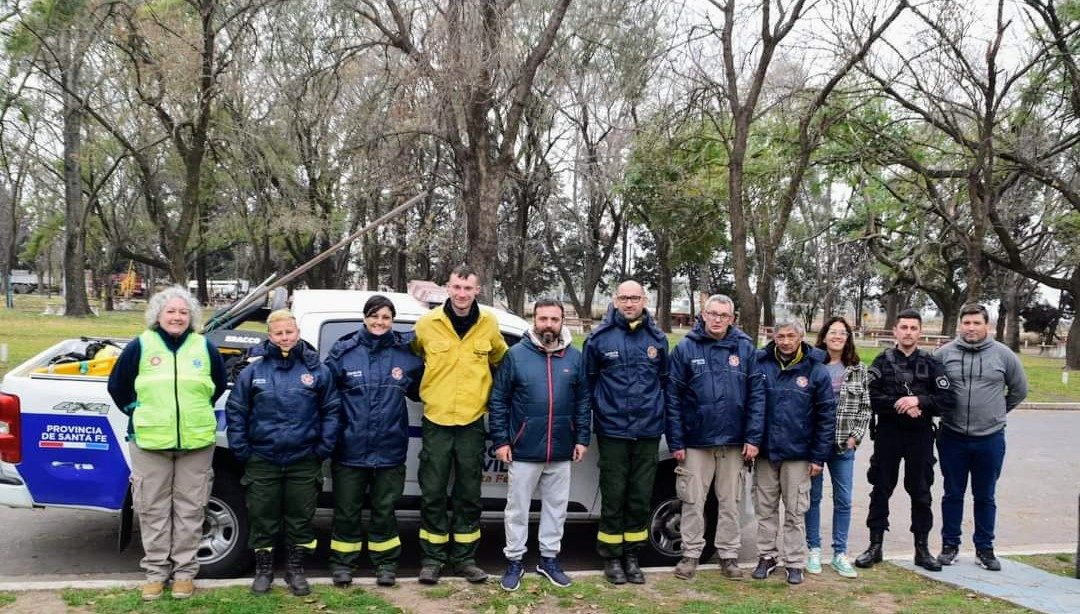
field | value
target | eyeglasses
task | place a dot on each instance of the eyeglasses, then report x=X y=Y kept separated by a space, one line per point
x=629 y=299
x=716 y=315
x=837 y=333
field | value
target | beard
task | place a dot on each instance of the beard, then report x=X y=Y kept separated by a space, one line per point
x=548 y=336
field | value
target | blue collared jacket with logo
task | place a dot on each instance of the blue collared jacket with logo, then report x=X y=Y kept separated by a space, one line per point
x=283 y=408
x=626 y=373
x=538 y=404
x=715 y=394
x=374 y=374
x=800 y=408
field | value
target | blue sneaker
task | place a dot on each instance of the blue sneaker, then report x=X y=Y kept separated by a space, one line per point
x=550 y=569
x=511 y=580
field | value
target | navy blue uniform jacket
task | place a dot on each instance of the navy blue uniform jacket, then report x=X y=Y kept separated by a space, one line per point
x=800 y=408
x=715 y=395
x=374 y=375
x=539 y=405
x=626 y=373
x=282 y=408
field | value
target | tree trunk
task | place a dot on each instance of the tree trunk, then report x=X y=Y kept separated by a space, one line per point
x=75 y=300
x=663 y=287
x=481 y=231
x=399 y=272
x=949 y=314
x=1072 y=345
x=1002 y=317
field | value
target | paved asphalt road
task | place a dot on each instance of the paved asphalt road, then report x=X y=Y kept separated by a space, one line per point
x=1037 y=511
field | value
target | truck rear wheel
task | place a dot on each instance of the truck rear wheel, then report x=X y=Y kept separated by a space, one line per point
x=665 y=521
x=223 y=551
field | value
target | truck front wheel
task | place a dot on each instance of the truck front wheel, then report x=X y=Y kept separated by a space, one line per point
x=223 y=551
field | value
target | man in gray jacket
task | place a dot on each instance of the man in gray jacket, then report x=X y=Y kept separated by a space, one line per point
x=989 y=382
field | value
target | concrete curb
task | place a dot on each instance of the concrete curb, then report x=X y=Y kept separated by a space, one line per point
x=1050 y=406
x=34 y=584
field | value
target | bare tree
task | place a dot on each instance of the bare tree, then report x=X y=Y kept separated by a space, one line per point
x=741 y=86
x=467 y=52
x=57 y=39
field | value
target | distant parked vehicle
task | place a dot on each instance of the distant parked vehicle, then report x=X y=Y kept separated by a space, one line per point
x=23 y=281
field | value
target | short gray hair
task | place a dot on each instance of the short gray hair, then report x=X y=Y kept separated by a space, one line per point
x=797 y=325
x=723 y=299
x=157 y=303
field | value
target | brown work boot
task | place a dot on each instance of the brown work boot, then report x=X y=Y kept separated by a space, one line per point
x=151 y=591
x=730 y=569
x=686 y=568
x=182 y=589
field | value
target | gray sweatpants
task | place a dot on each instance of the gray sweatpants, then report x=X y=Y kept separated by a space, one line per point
x=169 y=490
x=553 y=480
x=720 y=467
x=787 y=481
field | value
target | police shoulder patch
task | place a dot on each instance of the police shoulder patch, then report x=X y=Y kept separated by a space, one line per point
x=943 y=382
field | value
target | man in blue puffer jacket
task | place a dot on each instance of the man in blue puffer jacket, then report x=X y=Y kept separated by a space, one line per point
x=800 y=417
x=374 y=370
x=538 y=416
x=282 y=423
x=625 y=362
x=715 y=416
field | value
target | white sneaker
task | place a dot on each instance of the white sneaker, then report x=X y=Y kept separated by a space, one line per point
x=843 y=567
x=813 y=561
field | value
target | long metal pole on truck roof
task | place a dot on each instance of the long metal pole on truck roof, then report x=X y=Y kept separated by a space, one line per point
x=258 y=293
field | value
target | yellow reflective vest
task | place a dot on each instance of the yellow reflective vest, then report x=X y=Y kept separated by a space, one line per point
x=174 y=411
x=457 y=371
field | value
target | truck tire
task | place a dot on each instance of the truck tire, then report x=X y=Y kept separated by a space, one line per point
x=665 y=537
x=223 y=551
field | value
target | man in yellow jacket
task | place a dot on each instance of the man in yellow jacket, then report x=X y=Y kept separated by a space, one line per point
x=460 y=345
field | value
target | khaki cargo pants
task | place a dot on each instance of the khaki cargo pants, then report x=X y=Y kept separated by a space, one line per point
x=787 y=482
x=721 y=468
x=169 y=489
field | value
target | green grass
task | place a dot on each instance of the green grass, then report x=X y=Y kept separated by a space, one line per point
x=234 y=600
x=884 y=587
x=1062 y=564
x=6 y=599
x=27 y=332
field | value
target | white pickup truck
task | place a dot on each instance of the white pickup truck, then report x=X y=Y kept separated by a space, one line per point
x=62 y=441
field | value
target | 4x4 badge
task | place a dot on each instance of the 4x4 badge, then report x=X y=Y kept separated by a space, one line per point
x=72 y=407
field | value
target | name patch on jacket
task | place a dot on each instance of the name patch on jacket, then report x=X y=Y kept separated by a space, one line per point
x=357 y=373
x=611 y=354
x=697 y=361
x=258 y=380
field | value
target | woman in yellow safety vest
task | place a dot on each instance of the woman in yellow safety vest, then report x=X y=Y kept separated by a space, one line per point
x=167 y=380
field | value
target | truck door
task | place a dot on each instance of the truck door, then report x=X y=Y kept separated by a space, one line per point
x=73 y=445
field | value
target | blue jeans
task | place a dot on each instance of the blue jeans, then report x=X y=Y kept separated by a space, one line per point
x=841 y=469
x=981 y=458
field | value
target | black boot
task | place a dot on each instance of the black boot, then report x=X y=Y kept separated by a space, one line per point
x=294 y=573
x=873 y=553
x=613 y=571
x=632 y=569
x=922 y=555
x=264 y=571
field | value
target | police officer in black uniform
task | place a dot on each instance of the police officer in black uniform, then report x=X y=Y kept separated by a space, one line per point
x=908 y=387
